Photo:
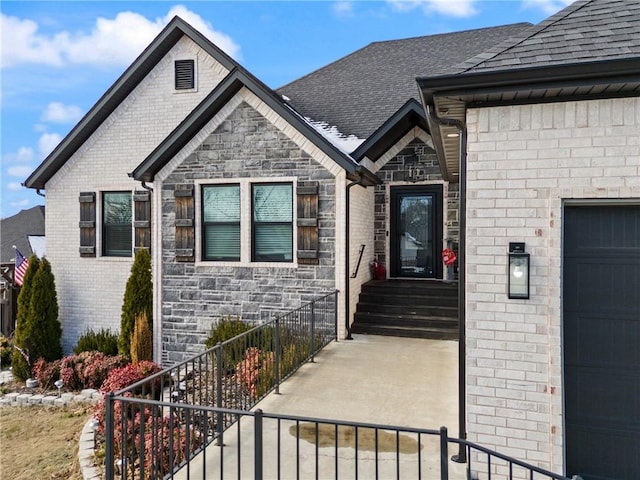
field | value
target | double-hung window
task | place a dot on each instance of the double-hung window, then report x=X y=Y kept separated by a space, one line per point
x=221 y=222
x=117 y=228
x=247 y=222
x=272 y=222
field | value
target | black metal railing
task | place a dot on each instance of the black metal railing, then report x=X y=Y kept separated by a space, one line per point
x=233 y=375
x=171 y=424
x=274 y=446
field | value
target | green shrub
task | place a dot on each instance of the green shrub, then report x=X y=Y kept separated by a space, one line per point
x=38 y=330
x=21 y=361
x=141 y=340
x=43 y=327
x=226 y=329
x=103 y=341
x=6 y=351
x=138 y=298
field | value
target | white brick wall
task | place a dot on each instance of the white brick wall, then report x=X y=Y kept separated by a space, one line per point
x=360 y=233
x=90 y=290
x=523 y=163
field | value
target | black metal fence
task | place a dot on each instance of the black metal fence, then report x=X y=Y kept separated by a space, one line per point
x=233 y=375
x=193 y=421
x=273 y=446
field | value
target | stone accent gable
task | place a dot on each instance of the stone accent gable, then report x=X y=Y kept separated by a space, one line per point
x=195 y=295
x=415 y=164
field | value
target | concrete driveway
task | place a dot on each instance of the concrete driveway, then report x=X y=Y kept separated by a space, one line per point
x=372 y=379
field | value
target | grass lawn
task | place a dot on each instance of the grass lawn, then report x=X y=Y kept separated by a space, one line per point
x=41 y=442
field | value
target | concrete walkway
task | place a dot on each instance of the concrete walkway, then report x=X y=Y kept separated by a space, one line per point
x=372 y=379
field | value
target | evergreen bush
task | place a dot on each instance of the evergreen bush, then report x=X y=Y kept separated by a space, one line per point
x=226 y=329
x=6 y=351
x=138 y=298
x=43 y=329
x=141 y=340
x=102 y=341
x=21 y=366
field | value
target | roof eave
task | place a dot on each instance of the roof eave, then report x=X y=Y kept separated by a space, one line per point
x=408 y=116
x=441 y=93
x=533 y=78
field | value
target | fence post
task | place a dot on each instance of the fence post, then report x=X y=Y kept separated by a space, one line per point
x=108 y=431
x=276 y=365
x=257 y=444
x=335 y=315
x=313 y=331
x=219 y=414
x=444 y=454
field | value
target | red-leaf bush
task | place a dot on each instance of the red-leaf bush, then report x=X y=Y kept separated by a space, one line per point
x=123 y=377
x=46 y=372
x=255 y=372
x=131 y=420
x=85 y=370
x=158 y=453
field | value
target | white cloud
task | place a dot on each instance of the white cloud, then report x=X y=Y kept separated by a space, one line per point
x=453 y=8
x=117 y=41
x=58 y=112
x=20 y=203
x=343 y=8
x=24 y=154
x=19 y=171
x=222 y=40
x=47 y=142
x=14 y=186
x=27 y=46
x=547 y=6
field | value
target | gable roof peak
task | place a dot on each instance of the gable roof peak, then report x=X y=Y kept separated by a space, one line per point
x=121 y=88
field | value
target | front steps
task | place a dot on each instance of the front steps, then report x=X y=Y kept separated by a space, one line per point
x=408 y=308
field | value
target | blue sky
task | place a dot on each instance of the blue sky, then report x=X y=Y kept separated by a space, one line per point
x=58 y=58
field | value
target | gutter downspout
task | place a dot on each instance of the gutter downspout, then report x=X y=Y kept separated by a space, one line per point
x=346 y=259
x=461 y=457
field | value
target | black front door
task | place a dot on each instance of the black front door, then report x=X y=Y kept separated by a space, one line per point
x=601 y=334
x=416 y=231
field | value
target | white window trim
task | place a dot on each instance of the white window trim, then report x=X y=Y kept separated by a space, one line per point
x=245 y=222
x=99 y=198
x=195 y=74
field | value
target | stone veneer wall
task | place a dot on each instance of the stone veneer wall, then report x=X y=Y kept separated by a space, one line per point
x=524 y=162
x=196 y=295
x=416 y=156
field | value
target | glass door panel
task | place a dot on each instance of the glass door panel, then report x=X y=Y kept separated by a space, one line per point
x=416 y=233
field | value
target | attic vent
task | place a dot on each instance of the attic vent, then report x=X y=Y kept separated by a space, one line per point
x=185 y=74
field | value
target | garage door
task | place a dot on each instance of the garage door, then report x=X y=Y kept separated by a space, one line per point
x=601 y=322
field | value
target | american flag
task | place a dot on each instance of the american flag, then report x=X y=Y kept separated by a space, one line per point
x=22 y=264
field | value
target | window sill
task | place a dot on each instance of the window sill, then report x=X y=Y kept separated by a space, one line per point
x=208 y=263
x=103 y=258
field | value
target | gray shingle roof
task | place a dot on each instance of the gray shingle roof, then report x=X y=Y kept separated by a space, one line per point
x=585 y=31
x=15 y=230
x=359 y=92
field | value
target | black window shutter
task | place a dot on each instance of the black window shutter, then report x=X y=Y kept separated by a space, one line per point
x=184 y=222
x=87 y=224
x=307 y=223
x=184 y=74
x=142 y=220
